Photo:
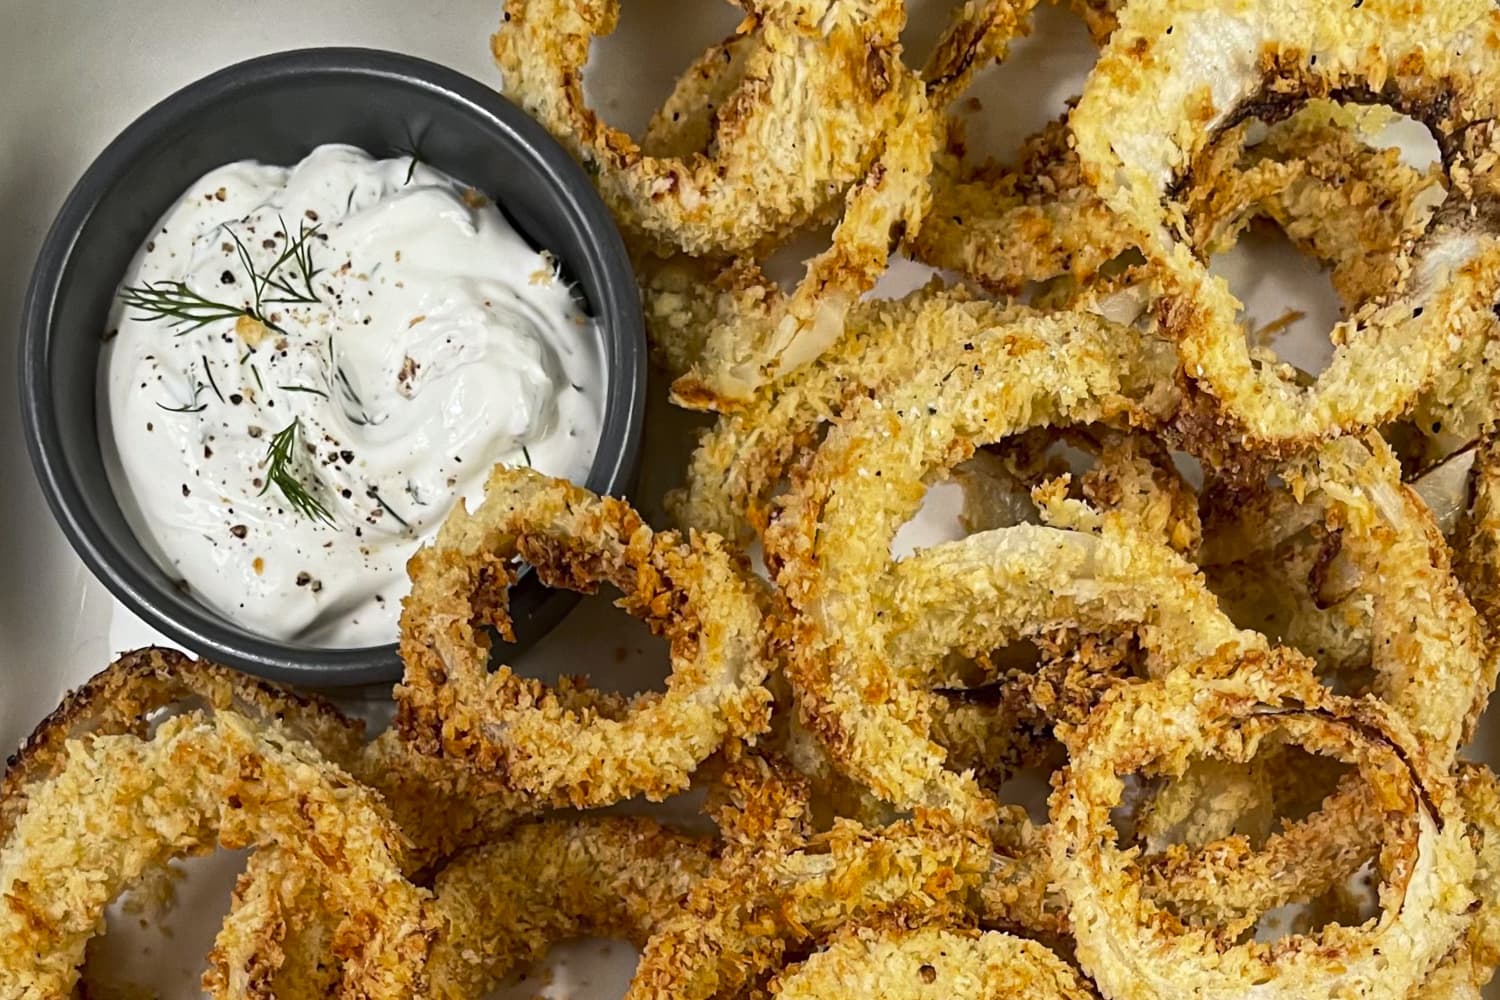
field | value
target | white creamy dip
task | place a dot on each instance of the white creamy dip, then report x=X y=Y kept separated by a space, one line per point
x=430 y=342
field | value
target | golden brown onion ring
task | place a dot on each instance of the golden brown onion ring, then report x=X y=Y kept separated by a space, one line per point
x=1430 y=657
x=122 y=806
x=743 y=917
x=122 y=699
x=1477 y=540
x=1176 y=73
x=930 y=962
x=277 y=941
x=740 y=462
x=726 y=331
x=831 y=64
x=1136 y=950
x=506 y=903
x=693 y=592
x=755 y=333
x=833 y=537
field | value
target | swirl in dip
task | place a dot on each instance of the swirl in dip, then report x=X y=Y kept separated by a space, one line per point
x=308 y=366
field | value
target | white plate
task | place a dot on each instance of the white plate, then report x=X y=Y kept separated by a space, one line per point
x=74 y=73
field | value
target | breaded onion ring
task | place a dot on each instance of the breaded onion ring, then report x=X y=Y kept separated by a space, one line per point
x=756 y=332
x=931 y=962
x=121 y=806
x=1477 y=541
x=728 y=331
x=693 y=591
x=277 y=941
x=1134 y=949
x=740 y=462
x=122 y=698
x=833 y=537
x=1177 y=72
x=1428 y=651
x=743 y=917
x=505 y=904
x=830 y=65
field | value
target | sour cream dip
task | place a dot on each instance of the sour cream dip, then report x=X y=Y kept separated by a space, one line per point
x=307 y=367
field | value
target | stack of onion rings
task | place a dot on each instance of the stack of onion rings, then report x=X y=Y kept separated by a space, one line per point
x=1247 y=694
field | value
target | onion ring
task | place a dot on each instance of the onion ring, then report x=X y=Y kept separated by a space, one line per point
x=1477 y=545
x=743 y=918
x=833 y=536
x=1136 y=950
x=726 y=331
x=121 y=699
x=739 y=463
x=1430 y=657
x=506 y=903
x=932 y=962
x=121 y=806
x=693 y=591
x=1153 y=84
x=833 y=63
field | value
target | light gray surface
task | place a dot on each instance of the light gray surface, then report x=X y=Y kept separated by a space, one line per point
x=73 y=73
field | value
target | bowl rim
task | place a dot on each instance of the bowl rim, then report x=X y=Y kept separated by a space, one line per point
x=209 y=633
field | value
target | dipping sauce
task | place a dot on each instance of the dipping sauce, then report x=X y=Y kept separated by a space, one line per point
x=308 y=366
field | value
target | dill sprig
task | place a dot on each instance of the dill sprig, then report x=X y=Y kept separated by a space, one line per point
x=290 y=276
x=281 y=455
x=175 y=301
x=296 y=254
x=412 y=149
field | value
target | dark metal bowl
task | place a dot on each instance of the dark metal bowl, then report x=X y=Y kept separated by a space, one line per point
x=277 y=109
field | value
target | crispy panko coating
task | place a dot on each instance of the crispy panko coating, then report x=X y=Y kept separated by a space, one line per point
x=122 y=805
x=122 y=699
x=1249 y=697
x=1471 y=966
x=1177 y=72
x=819 y=105
x=277 y=940
x=750 y=911
x=726 y=330
x=1134 y=949
x=1389 y=583
x=505 y=904
x=694 y=592
x=756 y=332
x=1477 y=545
x=832 y=539
x=739 y=462
x=807 y=114
x=930 y=962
